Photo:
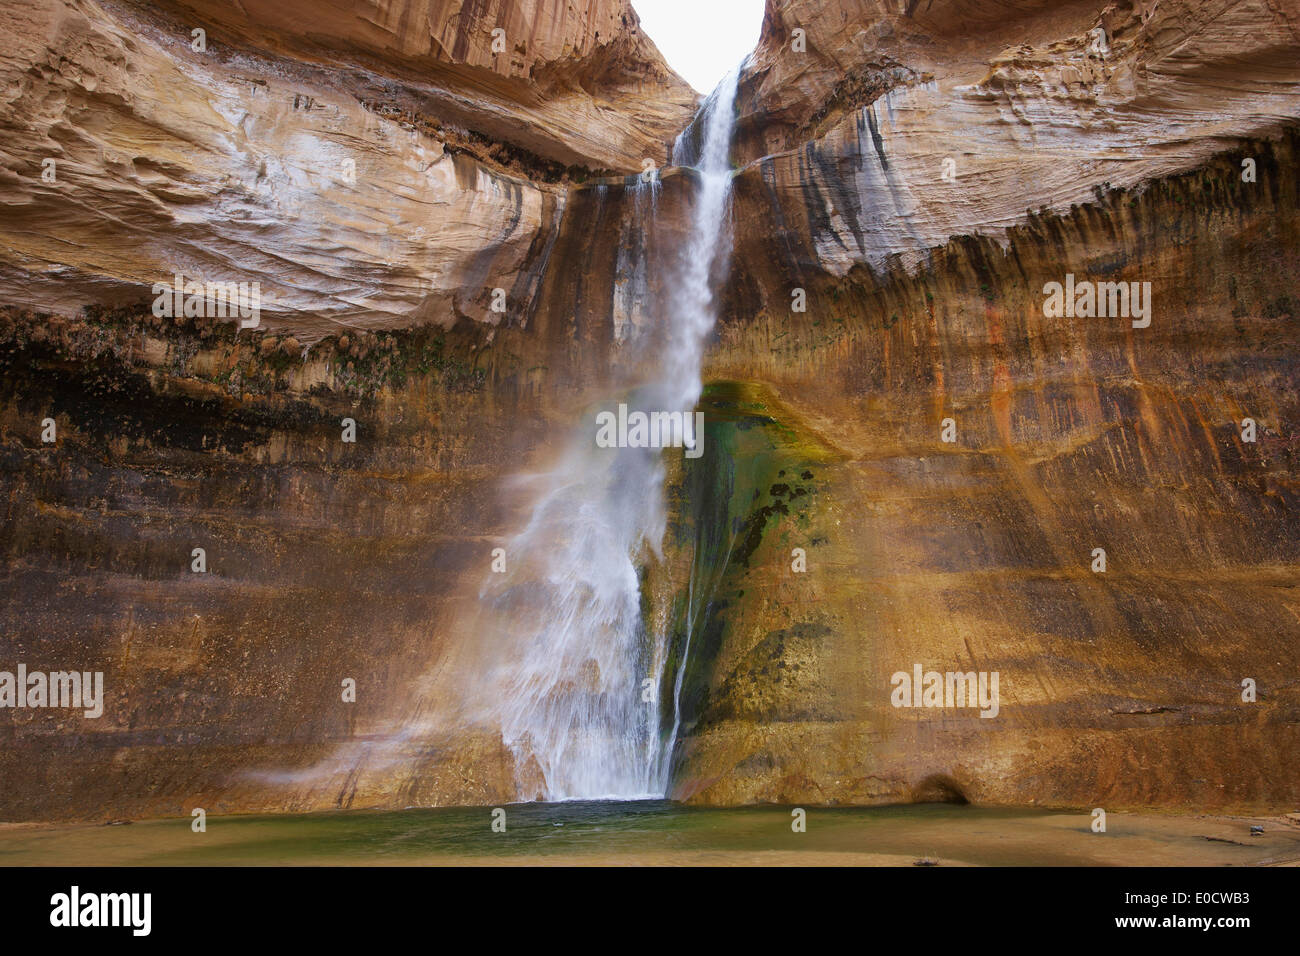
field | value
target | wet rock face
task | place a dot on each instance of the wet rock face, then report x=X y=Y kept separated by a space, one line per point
x=319 y=560
x=1122 y=687
x=920 y=312
x=874 y=328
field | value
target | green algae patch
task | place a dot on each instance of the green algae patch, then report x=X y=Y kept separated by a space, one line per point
x=734 y=509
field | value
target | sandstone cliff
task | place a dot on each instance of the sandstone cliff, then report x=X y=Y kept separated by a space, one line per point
x=1073 y=433
x=383 y=168
x=898 y=126
x=920 y=173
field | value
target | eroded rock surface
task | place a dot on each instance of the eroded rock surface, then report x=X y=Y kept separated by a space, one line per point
x=384 y=174
x=1110 y=142
x=977 y=556
x=897 y=128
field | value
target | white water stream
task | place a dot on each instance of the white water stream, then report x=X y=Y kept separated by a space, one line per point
x=568 y=692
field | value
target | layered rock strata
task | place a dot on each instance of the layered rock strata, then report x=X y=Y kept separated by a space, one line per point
x=385 y=170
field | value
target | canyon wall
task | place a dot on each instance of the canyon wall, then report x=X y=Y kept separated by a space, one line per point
x=919 y=173
x=1121 y=687
x=1112 y=155
x=384 y=171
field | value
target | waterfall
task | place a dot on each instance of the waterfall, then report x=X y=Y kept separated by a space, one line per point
x=568 y=689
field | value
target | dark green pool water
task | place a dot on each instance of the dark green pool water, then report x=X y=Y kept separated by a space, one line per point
x=658 y=832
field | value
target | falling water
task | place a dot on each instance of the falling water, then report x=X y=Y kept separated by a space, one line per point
x=568 y=690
